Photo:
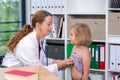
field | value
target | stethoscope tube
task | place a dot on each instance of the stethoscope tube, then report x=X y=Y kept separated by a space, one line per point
x=42 y=43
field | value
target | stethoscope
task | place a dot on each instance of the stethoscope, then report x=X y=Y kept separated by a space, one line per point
x=44 y=51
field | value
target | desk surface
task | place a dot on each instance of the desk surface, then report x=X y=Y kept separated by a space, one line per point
x=43 y=73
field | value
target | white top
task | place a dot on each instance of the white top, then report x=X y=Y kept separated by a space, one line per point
x=26 y=53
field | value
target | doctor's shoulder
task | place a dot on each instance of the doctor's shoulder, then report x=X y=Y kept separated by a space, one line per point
x=27 y=40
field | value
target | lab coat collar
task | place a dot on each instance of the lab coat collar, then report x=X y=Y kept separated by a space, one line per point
x=35 y=38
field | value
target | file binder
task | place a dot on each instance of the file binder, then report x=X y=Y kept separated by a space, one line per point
x=55 y=7
x=51 y=4
x=62 y=6
x=54 y=31
x=113 y=56
x=97 y=56
x=33 y=6
x=93 y=56
x=102 y=57
x=118 y=58
x=38 y=5
x=59 y=9
x=60 y=27
x=58 y=23
x=69 y=50
x=42 y=4
x=90 y=49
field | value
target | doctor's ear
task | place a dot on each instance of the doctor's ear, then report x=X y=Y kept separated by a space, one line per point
x=38 y=25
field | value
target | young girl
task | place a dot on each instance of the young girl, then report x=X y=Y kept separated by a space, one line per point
x=80 y=37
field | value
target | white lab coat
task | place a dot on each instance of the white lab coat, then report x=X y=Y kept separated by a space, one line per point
x=27 y=54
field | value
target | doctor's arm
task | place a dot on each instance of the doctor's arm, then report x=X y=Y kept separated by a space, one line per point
x=60 y=63
x=28 y=57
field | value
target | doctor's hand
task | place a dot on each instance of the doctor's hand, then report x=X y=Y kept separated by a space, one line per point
x=56 y=61
x=64 y=63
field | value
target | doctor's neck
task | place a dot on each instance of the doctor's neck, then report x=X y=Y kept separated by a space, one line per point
x=39 y=35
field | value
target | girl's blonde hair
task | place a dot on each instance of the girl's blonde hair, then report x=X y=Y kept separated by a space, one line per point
x=38 y=17
x=82 y=34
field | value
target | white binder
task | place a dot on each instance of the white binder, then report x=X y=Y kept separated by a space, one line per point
x=52 y=6
x=42 y=5
x=38 y=5
x=54 y=31
x=118 y=58
x=55 y=7
x=45 y=5
x=62 y=6
x=112 y=56
x=63 y=30
x=59 y=9
x=33 y=6
x=56 y=22
x=49 y=6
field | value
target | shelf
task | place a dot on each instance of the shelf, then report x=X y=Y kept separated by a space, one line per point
x=54 y=39
x=115 y=39
x=118 y=71
x=114 y=9
x=97 y=70
x=103 y=41
x=84 y=13
x=52 y=14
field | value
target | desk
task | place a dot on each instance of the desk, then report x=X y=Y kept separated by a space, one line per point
x=43 y=73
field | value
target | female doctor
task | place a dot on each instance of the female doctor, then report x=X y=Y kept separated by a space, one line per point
x=24 y=47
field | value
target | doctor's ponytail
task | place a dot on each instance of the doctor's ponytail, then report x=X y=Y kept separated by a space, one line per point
x=14 y=41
